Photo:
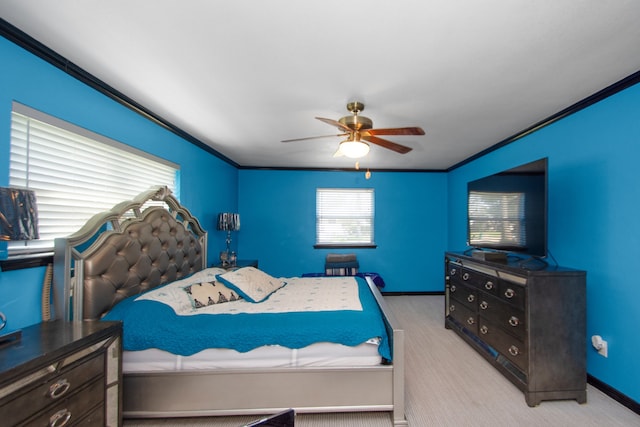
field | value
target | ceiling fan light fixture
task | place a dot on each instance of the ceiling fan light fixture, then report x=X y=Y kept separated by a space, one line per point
x=354 y=149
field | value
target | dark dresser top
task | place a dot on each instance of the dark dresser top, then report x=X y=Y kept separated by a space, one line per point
x=50 y=340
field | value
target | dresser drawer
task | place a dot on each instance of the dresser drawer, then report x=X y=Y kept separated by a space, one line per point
x=465 y=295
x=509 y=318
x=513 y=293
x=509 y=346
x=453 y=271
x=463 y=315
x=74 y=409
x=94 y=419
x=35 y=396
x=479 y=280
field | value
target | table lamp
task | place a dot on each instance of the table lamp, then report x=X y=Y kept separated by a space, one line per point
x=228 y=221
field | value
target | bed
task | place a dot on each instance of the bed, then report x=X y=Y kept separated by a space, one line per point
x=147 y=256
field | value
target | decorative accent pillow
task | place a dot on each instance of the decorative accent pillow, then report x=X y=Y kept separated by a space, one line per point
x=210 y=293
x=252 y=284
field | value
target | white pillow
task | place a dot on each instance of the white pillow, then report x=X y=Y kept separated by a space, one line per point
x=252 y=284
x=209 y=293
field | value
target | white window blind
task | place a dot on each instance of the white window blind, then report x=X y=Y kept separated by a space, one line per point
x=74 y=173
x=497 y=218
x=344 y=216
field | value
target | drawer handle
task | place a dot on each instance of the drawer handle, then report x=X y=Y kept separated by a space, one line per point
x=489 y=285
x=484 y=305
x=484 y=330
x=59 y=388
x=471 y=320
x=453 y=288
x=471 y=298
x=509 y=293
x=513 y=350
x=452 y=308
x=465 y=276
x=514 y=321
x=60 y=418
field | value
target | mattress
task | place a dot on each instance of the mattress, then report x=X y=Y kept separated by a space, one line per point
x=271 y=356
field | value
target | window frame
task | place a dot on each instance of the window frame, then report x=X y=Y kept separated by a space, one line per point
x=21 y=175
x=344 y=192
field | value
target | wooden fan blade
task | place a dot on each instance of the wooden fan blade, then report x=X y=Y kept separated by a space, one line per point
x=335 y=123
x=314 y=137
x=387 y=144
x=396 y=131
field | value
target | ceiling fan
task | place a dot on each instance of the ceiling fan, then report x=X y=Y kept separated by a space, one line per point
x=359 y=132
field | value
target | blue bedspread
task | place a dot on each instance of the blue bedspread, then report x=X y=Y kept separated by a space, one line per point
x=150 y=324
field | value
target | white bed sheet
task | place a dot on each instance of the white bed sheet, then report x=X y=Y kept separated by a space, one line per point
x=273 y=356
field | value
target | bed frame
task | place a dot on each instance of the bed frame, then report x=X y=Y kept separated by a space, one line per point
x=128 y=250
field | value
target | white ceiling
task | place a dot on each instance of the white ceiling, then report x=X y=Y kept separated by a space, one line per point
x=242 y=75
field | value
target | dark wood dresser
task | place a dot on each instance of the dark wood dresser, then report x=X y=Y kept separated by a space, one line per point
x=63 y=374
x=528 y=322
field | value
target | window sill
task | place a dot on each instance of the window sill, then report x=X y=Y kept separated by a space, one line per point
x=20 y=262
x=345 y=246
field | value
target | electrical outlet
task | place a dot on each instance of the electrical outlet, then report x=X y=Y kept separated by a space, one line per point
x=600 y=345
x=603 y=351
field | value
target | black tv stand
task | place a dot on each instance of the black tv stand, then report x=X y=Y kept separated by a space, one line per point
x=529 y=324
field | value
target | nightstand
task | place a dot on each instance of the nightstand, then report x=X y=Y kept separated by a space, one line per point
x=239 y=264
x=63 y=373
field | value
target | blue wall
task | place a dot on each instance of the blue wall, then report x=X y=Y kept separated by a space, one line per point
x=594 y=197
x=208 y=185
x=278 y=224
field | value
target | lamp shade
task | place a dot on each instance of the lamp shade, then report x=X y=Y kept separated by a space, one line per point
x=228 y=221
x=354 y=149
x=18 y=214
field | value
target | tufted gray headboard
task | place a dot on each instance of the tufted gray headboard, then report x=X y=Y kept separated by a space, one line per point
x=123 y=252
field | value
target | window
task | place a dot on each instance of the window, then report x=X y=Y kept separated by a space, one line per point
x=497 y=218
x=344 y=217
x=75 y=173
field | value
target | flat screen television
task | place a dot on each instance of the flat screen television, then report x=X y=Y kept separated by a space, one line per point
x=507 y=211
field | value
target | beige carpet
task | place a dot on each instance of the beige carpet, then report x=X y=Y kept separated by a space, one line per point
x=449 y=384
